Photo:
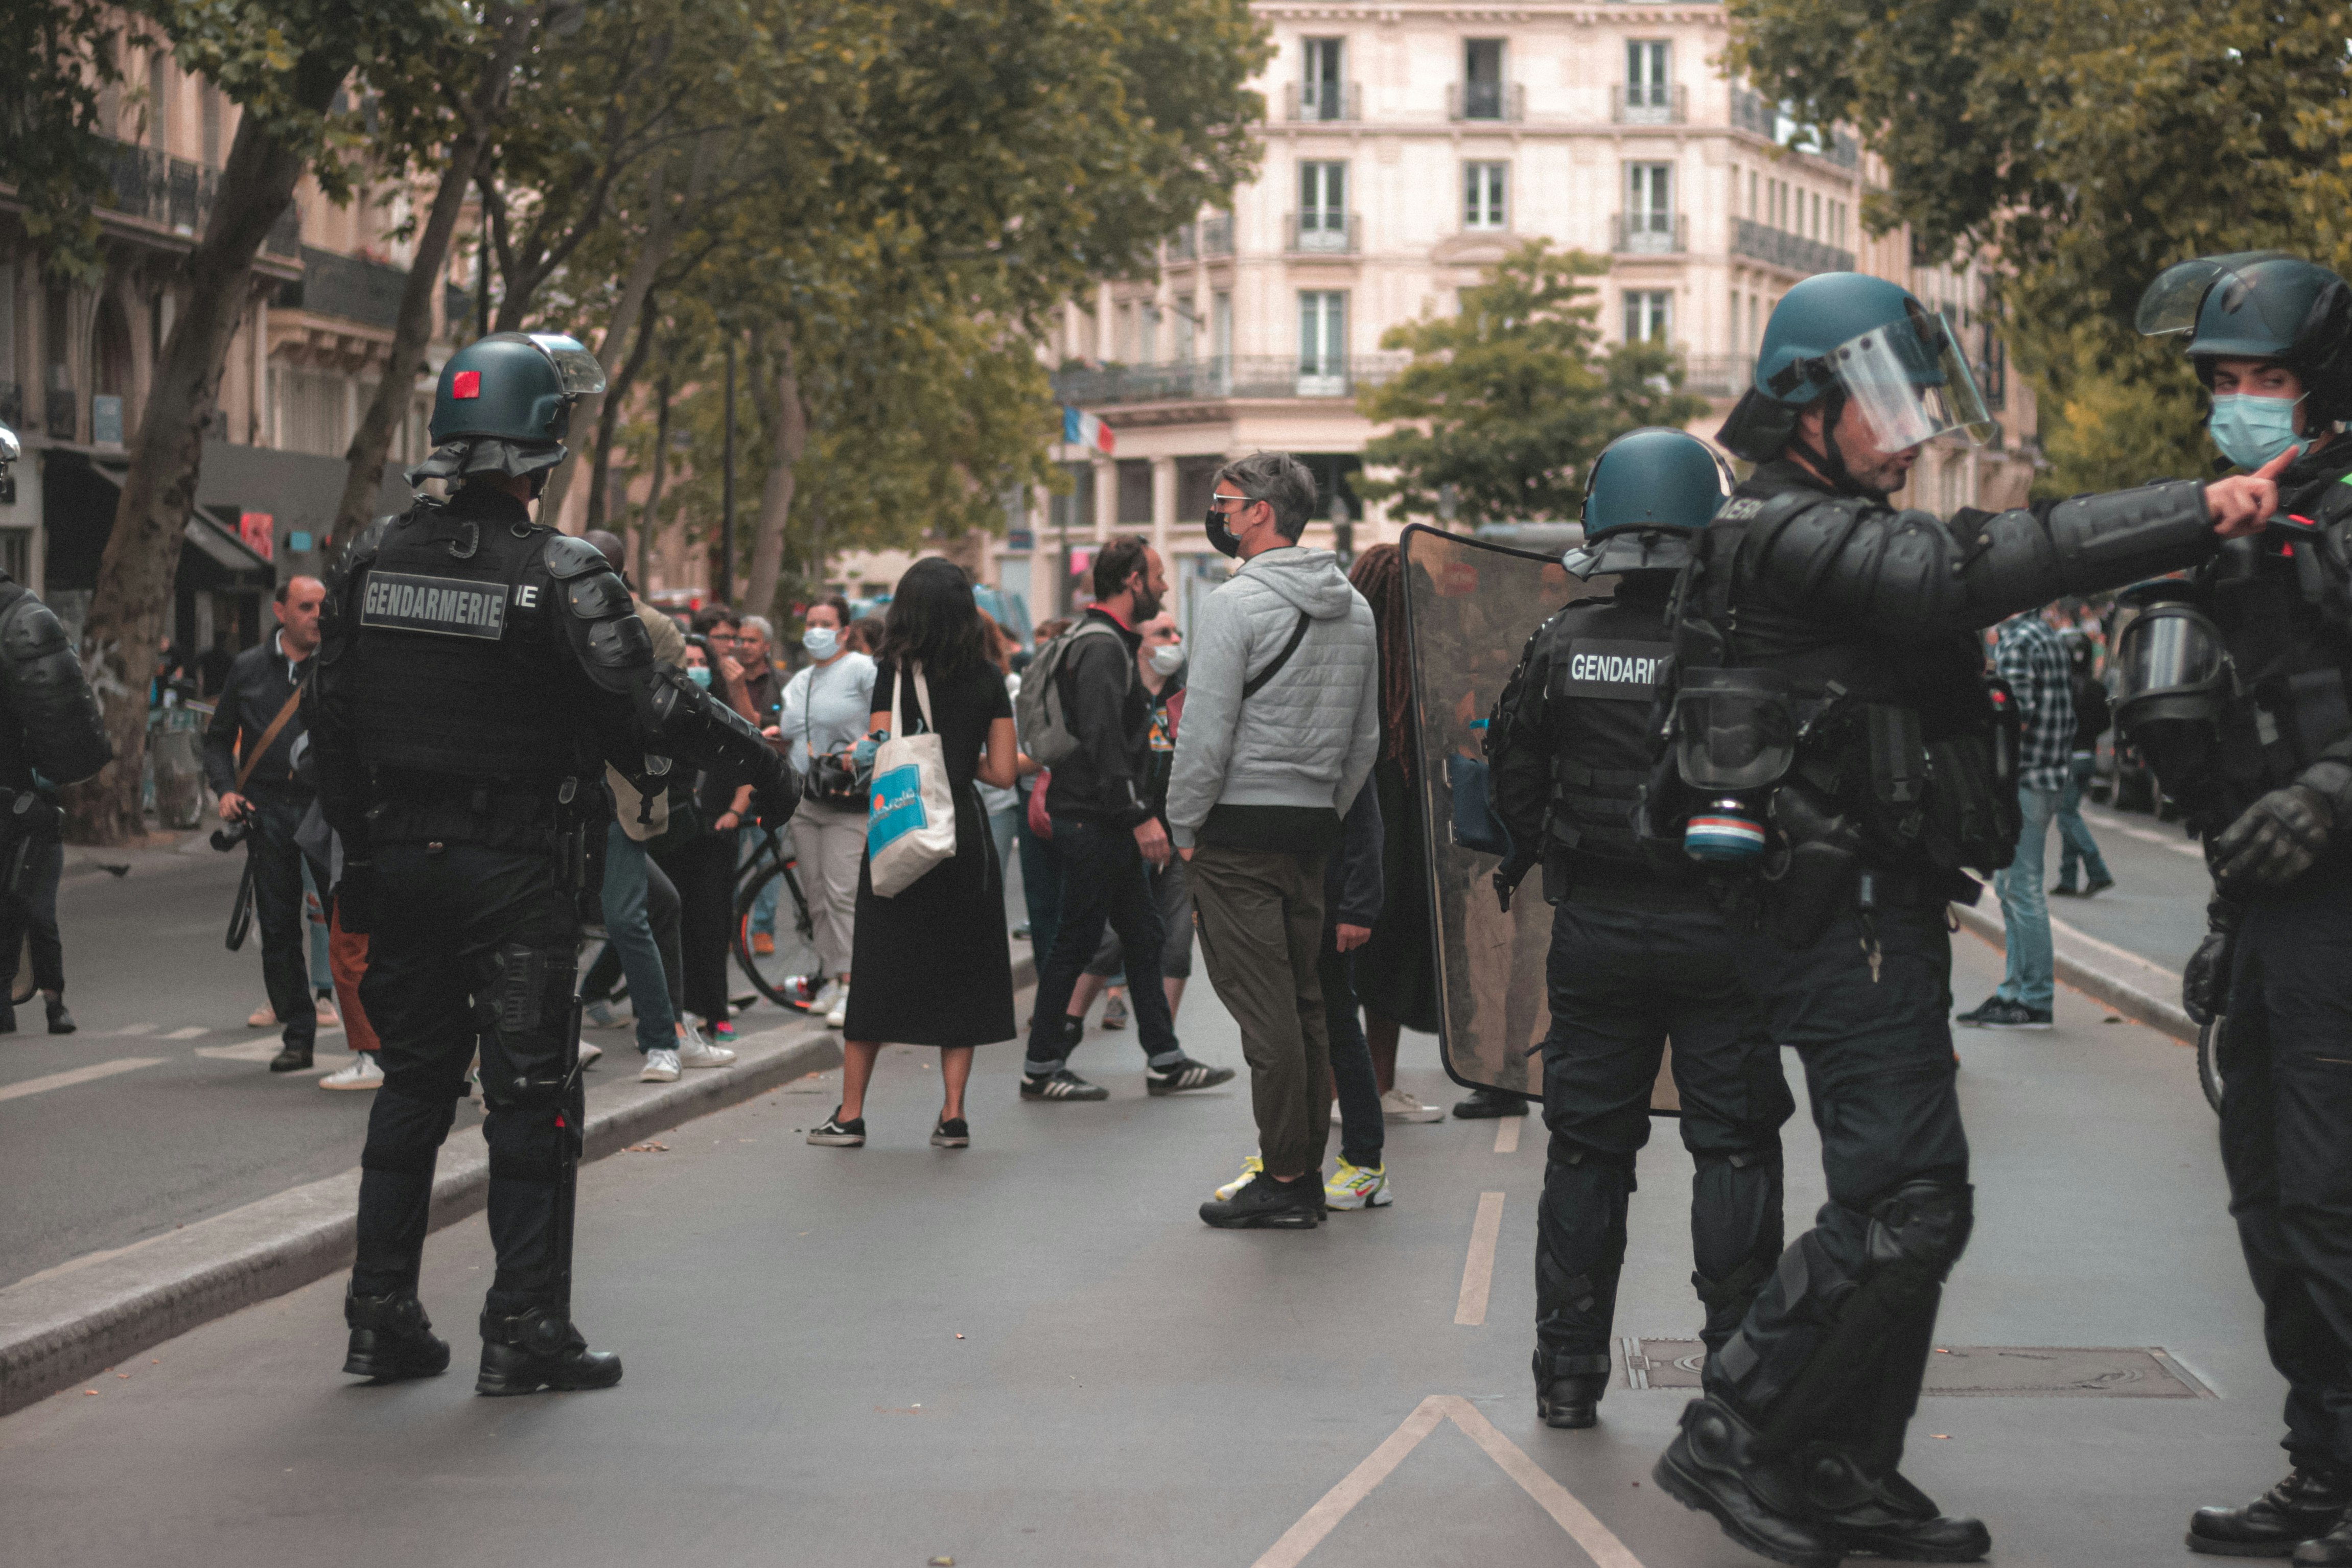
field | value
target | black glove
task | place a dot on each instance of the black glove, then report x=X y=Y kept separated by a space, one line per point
x=355 y=898
x=776 y=797
x=2277 y=838
x=1508 y=875
x=2205 y=978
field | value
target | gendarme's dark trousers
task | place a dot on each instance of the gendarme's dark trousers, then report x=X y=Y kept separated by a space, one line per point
x=2286 y=1144
x=471 y=943
x=1877 y=1052
x=1261 y=934
x=1622 y=982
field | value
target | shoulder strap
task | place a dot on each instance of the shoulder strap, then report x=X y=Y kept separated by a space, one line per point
x=270 y=736
x=1252 y=686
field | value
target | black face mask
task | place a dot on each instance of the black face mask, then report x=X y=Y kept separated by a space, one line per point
x=1220 y=533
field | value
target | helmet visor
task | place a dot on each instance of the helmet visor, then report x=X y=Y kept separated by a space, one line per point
x=1911 y=382
x=2170 y=303
x=2167 y=649
x=582 y=376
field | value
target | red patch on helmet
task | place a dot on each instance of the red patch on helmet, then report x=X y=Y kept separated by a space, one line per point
x=466 y=383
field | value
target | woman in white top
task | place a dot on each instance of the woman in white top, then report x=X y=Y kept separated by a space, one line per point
x=823 y=714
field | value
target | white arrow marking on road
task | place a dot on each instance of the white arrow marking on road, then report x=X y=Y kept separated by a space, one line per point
x=1507 y=1135
x=96 y=1069
x=1598 y=1542
x=1478 y=1270
x=190 y=1032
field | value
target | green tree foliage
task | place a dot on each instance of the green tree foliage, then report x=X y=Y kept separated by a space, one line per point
x=64 y=54
x=2081 y=147
x=1507 y=401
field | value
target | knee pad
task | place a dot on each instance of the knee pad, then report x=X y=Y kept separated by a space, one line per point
x=1597 y=1165
x=1922 y=1226
x=406 y=1130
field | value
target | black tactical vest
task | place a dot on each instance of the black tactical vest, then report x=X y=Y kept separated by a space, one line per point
x=1603 y=664
x=448 y=655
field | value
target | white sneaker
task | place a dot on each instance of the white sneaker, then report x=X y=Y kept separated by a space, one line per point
x=589 y=1052
x=1251 y=1169
x=827 y=996
x=362 y=1073
x=328 y=1017
x=600 y=1015
x=1357 y=1187
x=839 y=1015
x=693 y=1050
x=1400 y=1105
x=661 y=1066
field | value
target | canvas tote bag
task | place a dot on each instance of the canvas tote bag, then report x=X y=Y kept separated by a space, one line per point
x=912 y=827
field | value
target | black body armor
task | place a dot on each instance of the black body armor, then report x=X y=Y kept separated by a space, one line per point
x=1569 y=746
x=58 y=730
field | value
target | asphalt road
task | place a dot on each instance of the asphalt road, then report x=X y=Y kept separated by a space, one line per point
x=1031 y=1353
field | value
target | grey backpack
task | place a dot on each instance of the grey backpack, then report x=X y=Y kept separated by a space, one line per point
x=1044 y=727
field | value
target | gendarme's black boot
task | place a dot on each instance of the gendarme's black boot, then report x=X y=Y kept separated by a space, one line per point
x=1569 y=1388
x=539 y=1349
x=392 y=1339
x=1712 y=1466
x=2306 y=1505
x=1887 y=1516
x=2333 y=1550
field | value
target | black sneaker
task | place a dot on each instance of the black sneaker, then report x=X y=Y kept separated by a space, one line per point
x=1185 y=1075
x=1487 y=1104
x=951 y=1134
x=1266 y=1204
x=60 y=1020
x=2100 y=886
x=837 y=1134
x=1061 y=1084
x=2065 y=889
x=1999 y=1012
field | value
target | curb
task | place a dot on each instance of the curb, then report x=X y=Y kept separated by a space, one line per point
x=2122 y=980
x=58 y=1328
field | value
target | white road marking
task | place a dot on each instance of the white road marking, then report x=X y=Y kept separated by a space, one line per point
x=1507 y=1135
x=190 y=1032
x=94 y=1071
x=2174 y=841
x=1599 y=1543
x=127 y=1031
x=1478 y=1270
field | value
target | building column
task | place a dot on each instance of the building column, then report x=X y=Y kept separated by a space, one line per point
x=1105 y=498
x=1163 y=503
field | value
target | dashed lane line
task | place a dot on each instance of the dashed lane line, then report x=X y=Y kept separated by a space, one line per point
x=1507 y=1135
x=190 y=1032
x=94 y=1071
x=1479 y=1269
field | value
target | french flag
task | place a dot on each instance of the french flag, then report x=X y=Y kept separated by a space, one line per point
x=1082 y=429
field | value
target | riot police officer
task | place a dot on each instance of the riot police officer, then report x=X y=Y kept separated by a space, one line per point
x=2234 y=689
x=476 y=671
x=51 y=733
x=1638 y=946
x=1832 y=722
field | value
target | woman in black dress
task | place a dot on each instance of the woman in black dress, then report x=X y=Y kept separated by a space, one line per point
x=933 y=963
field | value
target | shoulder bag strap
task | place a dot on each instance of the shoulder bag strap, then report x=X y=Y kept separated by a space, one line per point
x=1252 y=686
x=923 y=700
x=268 y=736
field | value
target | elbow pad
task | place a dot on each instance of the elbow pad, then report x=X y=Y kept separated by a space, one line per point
x=690 y=724
x=2087 y=545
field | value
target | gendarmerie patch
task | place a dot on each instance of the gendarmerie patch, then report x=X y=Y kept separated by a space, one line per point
x=1598 y=668
x=404 y=601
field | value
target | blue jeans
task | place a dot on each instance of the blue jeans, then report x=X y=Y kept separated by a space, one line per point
x=2024 y=907
x=764 y=907
x=628 y=928
x=2074 y=834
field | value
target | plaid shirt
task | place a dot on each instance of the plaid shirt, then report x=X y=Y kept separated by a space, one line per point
x=2030 y=656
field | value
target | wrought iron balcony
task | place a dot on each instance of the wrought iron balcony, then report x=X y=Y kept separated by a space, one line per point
x=1649 y=234
x=1492 y=101
x=1775 y=247
x=1323 y=101
x=1217 y=234
x=1198 y=381
x=1649 y=104
x=1718 y=375
x=346 y=288
x=1324 y=232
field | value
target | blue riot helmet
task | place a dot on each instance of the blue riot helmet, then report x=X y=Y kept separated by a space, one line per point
x=2260 y=304
x=1850 y=337
x=504 y=403
x=1644 y=494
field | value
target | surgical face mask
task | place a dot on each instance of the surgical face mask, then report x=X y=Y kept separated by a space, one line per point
x=1167 y=658
x=2251 y=430
x=700 y=674
x=822 y=642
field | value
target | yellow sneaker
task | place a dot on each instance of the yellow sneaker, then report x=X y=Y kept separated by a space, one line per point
x=1250 y=1169
x=1357 y=1187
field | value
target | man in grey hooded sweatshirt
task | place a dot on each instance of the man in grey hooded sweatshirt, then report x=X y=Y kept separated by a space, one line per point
x=1281 y=725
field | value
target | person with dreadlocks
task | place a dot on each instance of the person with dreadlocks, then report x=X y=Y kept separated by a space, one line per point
x=1395 y=972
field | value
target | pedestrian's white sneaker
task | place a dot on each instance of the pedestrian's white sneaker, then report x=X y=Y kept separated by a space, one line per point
x=1400 y=1105
x=693 y=1050
x=661 y=1066
x=1252 y=1168
x=1357 y=1187
x=362 y=1073
x=839 y=1014
x=589 y=1052
x=829 y=996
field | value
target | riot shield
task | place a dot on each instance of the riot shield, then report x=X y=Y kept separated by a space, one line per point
x=1471 y=607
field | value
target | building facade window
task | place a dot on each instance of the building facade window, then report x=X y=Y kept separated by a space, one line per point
x=1482 y=78
x=1322 y=206
x=1186 y=347
x=1221 y=327
x=1649 y=208
x=1322 y=342
x=1649 y=91
x=1485 y=188
x=1147 y=337
x=1322 y=95
x=1649 y=314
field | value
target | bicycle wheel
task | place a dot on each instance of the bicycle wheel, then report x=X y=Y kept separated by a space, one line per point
x=778 y=975
x=2209 y=1061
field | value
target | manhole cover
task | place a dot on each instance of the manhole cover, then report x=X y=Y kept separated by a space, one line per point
x=2010 y=1372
